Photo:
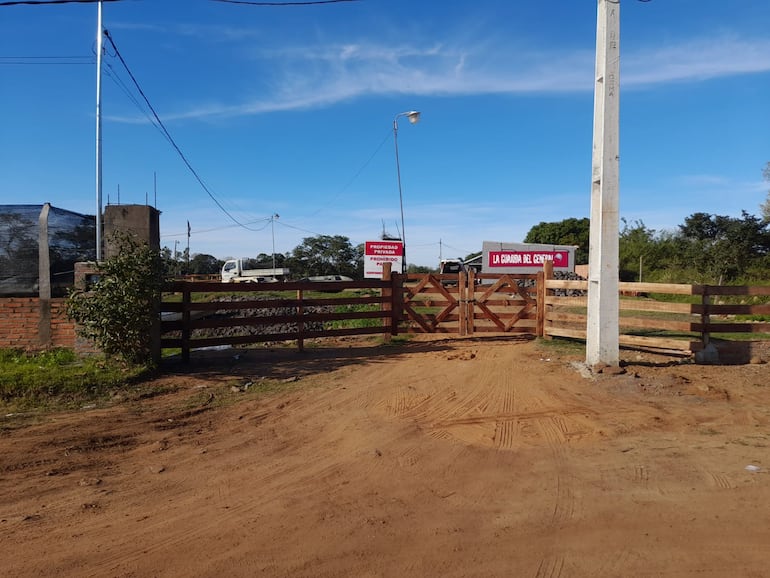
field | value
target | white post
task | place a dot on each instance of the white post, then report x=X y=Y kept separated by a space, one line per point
x=602 y=331
x=273 y=217
x=99 y=35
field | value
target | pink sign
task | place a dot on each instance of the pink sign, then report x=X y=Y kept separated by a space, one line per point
x=528 y=258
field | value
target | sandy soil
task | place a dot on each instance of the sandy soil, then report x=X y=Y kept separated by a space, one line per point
x=437 y=458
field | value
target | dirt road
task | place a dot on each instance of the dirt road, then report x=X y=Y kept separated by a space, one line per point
x=436 y=458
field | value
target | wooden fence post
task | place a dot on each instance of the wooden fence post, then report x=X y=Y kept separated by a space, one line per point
x=186 y=301
x=387 y=304
x=542 y=293
x=470 y=299
x=300 y=323
x=705 y=318
x=462 y=310
x=396 y=301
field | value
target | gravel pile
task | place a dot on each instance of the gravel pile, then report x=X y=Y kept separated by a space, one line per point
x=560 y=276
x=267 y=329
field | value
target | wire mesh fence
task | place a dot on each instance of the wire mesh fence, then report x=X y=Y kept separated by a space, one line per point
x=69 y=236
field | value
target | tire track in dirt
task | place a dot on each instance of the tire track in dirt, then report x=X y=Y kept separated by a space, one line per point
x=565 y=502
x=229 y=507
x=551 y=567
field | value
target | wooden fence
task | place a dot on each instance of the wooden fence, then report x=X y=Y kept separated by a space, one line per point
x=469 y=303
x=237 y=314
x=658 y=316
x=648 y=319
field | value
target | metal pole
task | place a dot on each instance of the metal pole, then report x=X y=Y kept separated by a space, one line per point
x=414 y=117
x=272 y=226
x=400 y=197
x=602 y=329
x=99 y=35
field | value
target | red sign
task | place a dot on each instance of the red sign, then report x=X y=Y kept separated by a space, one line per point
x=378 y=252
x=387 y=248
x=528 y=258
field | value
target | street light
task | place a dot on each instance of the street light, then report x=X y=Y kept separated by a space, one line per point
x=414 y=117
x=273 y=217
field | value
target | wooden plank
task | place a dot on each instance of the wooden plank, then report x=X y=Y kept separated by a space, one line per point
x=639 y=305
x=651 y=323
x=740 y=309
x=541 y=292
x=731 y=327
x=657 y=342
x=488 y=314
x=682 y=345
x=566 y=284
x=319 y=286
x=566 y=301
x=414 y=316
x=556 y=316
x=494 y=329
x=666 y=288
x=739 y=290
x=563 y=332
x=246 y=339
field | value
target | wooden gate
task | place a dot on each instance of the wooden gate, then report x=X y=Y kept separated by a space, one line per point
x=472 y=303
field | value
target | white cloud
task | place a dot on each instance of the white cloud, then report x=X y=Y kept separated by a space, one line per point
x=304 y=77
x=695 y=60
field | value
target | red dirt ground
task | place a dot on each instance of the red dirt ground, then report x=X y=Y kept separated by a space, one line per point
x=464 y=457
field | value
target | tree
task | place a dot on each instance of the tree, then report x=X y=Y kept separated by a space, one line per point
x=324 y=255
x=724 y=247
x=173 y=263
x=570 y=231
x=202 y=264
x=638 y=250
x=120 y=310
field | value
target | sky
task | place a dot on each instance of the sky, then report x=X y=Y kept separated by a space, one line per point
x=289 y=111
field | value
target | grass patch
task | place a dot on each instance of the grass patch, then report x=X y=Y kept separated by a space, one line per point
x=562 y=345
x=58 y=379
x=356 y=323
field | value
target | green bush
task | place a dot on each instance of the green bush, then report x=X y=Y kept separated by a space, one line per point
x=120 y=311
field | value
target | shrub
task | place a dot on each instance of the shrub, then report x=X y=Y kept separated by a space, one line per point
x=120 y=311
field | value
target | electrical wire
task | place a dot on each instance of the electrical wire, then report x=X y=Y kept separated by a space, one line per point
x=43 y=2
x=214 y=229
x=46 y=60
x=353 y=178
x=308 y=3
x=112 y=75
x=168 y=136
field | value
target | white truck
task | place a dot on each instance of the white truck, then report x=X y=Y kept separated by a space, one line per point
x=244 y=271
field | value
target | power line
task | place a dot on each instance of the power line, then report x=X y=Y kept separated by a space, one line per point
x=353 y=178
x=309 y=3
x=168 y=136
x=46 y=60
x=43 y=2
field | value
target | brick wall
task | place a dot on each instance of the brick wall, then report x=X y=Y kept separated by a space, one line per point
x=20 y=324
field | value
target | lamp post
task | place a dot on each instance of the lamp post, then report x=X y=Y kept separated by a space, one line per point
x=414 y=117
x=273 y=217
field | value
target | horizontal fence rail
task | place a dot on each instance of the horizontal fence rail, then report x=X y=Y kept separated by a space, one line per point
x=239 y=314
x=647 y=321
x=676 y=318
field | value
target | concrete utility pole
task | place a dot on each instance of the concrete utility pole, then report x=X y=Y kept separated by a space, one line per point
x=99 y=38
x=602 y=331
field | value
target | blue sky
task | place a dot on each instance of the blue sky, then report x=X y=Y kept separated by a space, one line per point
x=289 y=111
